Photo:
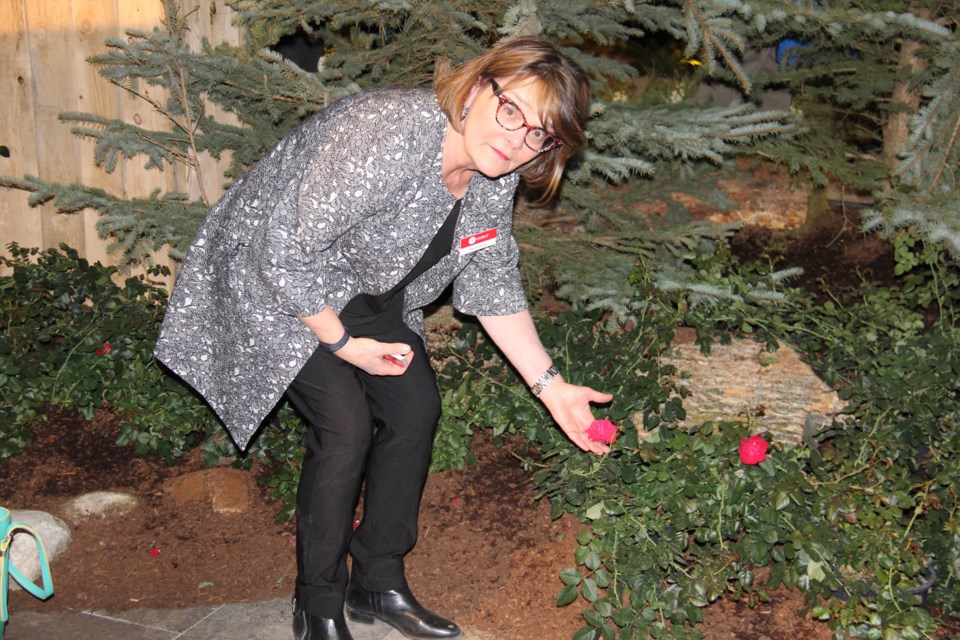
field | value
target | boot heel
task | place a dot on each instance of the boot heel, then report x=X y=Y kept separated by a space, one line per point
x=360 y=616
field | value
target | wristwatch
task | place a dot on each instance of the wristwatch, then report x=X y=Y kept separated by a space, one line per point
x=544 y=380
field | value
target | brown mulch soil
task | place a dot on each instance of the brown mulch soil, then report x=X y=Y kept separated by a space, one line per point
x=489 y=553
x=834 y=254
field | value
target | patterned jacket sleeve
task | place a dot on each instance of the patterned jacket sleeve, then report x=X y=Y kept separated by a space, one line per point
x=490 y=284
x=352 y=161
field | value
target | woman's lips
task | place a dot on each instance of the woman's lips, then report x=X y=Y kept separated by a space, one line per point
x=500 y=153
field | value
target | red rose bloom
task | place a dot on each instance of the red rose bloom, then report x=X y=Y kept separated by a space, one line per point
x=103 y=350
x=602 y=431
x=753 y=450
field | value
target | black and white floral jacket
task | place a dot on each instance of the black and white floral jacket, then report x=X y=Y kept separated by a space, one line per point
x=345 y=204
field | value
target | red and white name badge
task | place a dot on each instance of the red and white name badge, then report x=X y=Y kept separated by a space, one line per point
x=477 y=241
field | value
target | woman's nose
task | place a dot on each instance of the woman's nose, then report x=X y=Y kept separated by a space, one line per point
x=516 y=137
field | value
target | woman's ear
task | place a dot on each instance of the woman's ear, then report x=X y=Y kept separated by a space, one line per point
x=470 y=98
x=474 y=90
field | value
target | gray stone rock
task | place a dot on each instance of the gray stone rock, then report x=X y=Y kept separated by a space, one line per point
x=53 y=532
x=774 y=391
x=100 y=504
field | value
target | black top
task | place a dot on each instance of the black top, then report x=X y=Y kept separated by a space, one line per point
x=367 y=314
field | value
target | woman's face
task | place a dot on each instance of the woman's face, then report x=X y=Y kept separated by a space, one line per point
x=488 y=146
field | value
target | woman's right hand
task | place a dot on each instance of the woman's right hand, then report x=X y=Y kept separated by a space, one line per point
x=375 y=357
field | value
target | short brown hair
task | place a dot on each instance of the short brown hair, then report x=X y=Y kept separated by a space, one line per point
x=564 y=99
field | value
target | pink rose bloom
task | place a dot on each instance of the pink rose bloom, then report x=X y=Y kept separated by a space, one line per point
x=753 y=450
x=602 y=431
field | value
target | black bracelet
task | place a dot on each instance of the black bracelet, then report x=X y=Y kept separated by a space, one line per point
x=336 y=346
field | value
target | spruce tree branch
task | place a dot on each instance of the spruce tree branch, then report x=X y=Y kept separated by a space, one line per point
x=710 y=35
x=708 y=57
x=916 y=156
x=944 y=162
x=7 y=182
x=176 y=27
x=177 y=154
x=159 y=108
x=193 y=160
x=273 y=96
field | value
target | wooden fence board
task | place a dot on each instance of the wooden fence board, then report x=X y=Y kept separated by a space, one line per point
x=43 y=49
x=52 y=41
x=139 y=182
x=18 y=222
x=93 y=22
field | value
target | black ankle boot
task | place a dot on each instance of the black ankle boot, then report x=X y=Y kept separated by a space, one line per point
x=399 y=609
x=307 y=626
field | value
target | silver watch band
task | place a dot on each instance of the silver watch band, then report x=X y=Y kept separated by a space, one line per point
x=544 y=380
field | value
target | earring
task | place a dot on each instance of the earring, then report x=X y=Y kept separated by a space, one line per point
x=463 y=114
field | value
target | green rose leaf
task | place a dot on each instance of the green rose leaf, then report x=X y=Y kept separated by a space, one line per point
x=603 y=578
x=593 y=619
x=815 y=571
x=821 y=612
x=570 y=576
x=586 y=633
x=624 y=616
x=588 y=589
x=604 y=608
x=567 y=595
x=595 y=511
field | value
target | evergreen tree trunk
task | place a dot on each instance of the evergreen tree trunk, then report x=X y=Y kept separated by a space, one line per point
x=905 y=99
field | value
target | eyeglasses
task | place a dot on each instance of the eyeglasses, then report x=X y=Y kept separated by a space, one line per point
x=511 y=118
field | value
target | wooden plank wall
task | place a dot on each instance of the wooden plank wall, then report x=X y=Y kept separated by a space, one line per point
x=43 y=72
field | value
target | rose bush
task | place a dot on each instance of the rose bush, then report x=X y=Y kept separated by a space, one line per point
x=863 y=517
x=75 y=335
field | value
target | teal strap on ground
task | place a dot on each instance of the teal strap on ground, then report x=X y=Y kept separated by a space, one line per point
x=4 y=581
x=7 y=569
x=46 y=590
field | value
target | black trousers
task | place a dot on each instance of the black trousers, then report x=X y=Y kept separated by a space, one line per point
x=361 y=427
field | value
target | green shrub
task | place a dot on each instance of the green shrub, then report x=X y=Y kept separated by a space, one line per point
x=861 y=519
x=677 y=521
x=481 y=391
x=894 y=356
x=74 y=338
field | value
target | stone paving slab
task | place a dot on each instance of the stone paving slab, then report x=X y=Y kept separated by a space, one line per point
x=269 y=620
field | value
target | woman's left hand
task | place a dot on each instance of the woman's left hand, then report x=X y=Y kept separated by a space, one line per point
x=569 y=404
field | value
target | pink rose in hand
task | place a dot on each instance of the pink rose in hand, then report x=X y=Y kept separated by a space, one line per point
x=753 y=450
x=602 y=431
